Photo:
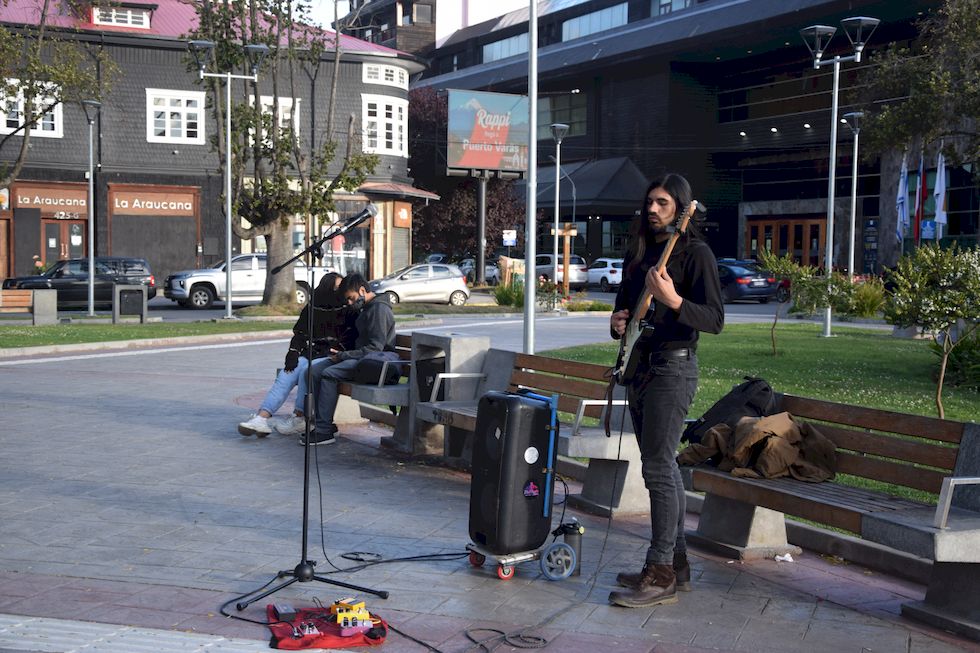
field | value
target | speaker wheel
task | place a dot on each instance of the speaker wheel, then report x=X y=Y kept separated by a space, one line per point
x=505 y=572
x=558 y=561
x=477 y=559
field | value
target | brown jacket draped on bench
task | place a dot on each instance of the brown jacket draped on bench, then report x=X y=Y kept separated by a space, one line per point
x=766 y=447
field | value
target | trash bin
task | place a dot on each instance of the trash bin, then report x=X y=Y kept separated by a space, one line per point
x=128 y=301
x=426 y=370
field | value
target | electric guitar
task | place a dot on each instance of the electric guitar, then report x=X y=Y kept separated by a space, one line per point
x=637 y=327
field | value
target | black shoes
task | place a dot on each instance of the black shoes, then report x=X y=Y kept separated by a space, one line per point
x=320 y=437
x=682 y=573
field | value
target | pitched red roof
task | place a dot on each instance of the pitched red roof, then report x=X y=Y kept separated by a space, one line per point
x=171 y=19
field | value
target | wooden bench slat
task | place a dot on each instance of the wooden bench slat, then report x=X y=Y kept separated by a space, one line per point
x=14 y=298
x=927 y=480
x=871 y=418
x=589 y=371
x=921 y=453
x=561 y=384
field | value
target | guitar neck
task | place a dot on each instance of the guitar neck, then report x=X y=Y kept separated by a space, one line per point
x=643 y=305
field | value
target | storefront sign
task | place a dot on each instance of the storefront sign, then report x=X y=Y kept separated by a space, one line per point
x=59 y=201
x=151 y=202
x=403 y=215
x=4 y=199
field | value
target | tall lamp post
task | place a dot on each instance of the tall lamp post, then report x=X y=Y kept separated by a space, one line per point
x=202 y=53
x=558 y=131
x=854 y=122
x=91 y=108
x=817 y=38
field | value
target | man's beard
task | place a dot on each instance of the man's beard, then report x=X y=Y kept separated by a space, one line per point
x=656 y=228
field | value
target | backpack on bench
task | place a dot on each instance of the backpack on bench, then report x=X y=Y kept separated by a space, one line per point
x=368 y=370
x=754 y=397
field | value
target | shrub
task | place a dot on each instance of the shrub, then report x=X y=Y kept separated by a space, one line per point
x=963 y=366
x=588 y=305
x=868 y=297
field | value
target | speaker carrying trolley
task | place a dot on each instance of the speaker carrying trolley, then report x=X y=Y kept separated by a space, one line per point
x=514 y=450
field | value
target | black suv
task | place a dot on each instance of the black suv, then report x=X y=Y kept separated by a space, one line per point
x=70 y=279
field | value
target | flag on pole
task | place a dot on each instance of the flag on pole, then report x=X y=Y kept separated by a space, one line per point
x=940 y=193
x=920 y=198
x=902 y=200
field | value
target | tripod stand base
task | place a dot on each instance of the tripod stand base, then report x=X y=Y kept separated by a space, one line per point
x=304 y=572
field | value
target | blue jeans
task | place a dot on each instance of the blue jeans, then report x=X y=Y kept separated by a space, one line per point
x=326 y=376
x=284 y=382
x=659 y=397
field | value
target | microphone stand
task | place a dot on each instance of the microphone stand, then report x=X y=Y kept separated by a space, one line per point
x=305 y=571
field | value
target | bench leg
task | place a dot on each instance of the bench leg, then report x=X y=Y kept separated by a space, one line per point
x=952 y=601
x=612 y=486
x=45 y=308
x=741 y=530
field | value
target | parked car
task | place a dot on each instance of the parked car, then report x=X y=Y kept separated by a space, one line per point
x=578 y=276
x=200 y=288
x=70 y=279
x=423 y=282
x=437 y=258
x=746 y=280
x=491 y=273
x=606 y=273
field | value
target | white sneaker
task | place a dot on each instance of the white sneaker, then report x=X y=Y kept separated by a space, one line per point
x=291 y=425
x=275 y=421
x=256 y=425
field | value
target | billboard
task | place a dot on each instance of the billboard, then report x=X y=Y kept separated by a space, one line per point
x=487 y=131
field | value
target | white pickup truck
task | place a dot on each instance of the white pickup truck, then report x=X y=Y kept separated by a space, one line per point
x=200 y=288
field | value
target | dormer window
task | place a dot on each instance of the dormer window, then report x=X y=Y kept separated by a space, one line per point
x=123 y=15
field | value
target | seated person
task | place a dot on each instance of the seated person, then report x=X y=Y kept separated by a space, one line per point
x=332 y=329
x=375 y=327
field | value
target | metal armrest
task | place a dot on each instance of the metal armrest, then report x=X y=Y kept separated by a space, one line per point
x=452 y=375
x=946 y=497
x=584 y=403
x=384 y=370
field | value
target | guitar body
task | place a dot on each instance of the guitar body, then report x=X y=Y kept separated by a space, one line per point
x=638 y=329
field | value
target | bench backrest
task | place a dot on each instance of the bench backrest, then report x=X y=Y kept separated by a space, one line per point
x=572 y=381
x=403 y=346
x=905 y=450
x=16 y=300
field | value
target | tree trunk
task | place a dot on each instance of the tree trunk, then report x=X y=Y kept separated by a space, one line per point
x=947 y=347
x=280 y=288
x=772 y=331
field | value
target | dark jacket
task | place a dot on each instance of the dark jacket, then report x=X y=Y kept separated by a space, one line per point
x=333 y=322
x=375 y=330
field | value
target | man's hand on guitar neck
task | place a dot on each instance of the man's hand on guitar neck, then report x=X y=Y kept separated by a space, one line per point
x=618 y=320
x=661 y=286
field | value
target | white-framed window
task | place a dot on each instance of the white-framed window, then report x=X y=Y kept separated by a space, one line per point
x=121 y=16
x=376 y=73
x=597 y=21
x=174 y=116
x=48 y=125
x=287 y=117
x=663 y=7
x=504 y=48
x=384 y=123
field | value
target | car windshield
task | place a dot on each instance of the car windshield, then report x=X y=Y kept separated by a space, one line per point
x=577 y=260
x=398 y=273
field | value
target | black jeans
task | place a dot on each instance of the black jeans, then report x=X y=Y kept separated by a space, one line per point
x=659 y=397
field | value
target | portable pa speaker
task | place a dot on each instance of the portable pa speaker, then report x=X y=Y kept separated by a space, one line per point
x=509 y=486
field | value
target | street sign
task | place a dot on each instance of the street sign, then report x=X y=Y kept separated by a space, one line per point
x=510 y=238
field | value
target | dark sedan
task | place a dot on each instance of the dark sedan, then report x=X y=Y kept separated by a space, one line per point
x=746 y=280
x=70 y=279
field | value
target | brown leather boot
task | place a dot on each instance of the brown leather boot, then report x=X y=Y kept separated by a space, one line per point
x=682 y=572
x=657 y=586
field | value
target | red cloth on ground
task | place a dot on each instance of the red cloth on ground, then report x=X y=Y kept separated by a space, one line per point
x=329 y=635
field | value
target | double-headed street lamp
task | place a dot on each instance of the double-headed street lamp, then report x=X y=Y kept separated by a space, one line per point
x=558 y=131
x=202 y=53
x=854 y=122
x=817 y=38
x=91 y=108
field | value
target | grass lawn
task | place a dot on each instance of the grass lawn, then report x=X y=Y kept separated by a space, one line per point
x=64 y=334
x=857 y=366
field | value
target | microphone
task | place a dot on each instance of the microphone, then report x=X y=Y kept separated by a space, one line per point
x=369 y=212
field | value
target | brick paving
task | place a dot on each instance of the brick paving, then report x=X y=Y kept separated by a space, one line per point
x=128 y=498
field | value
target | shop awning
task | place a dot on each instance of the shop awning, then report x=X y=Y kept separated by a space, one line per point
x=396 y=189
x=602 y=187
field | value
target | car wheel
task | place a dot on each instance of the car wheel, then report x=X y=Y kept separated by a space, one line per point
x=782 y=295
x=458 y=298
x=726 y=295
x=392 y=297
x=302 y=293
x=604 y=284
x=201 y=297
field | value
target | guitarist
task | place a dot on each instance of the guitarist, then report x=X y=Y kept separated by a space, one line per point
x=686 y=300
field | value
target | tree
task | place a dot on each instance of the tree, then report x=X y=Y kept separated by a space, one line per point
x=809 y=288
x=451 y=224
x=277 y=171
x=39 y=71
x=934 y=289
x=932 y=90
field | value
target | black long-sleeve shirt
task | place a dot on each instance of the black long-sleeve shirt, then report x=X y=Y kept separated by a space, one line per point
x=694 y=270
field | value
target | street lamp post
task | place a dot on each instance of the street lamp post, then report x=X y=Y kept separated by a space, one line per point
x=817 y=38
x=558 y=131
x=255 y=53
x=854 y=122
x=91 y=108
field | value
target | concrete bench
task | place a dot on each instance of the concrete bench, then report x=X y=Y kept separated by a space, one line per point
x=612 y=480
x=41 y=304
x=394 y=396
x=743 y=517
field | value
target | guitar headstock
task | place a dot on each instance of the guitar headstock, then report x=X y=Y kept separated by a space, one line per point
x=692 y=208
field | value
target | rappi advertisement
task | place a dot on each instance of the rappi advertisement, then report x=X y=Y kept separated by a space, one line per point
x=487 y=131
